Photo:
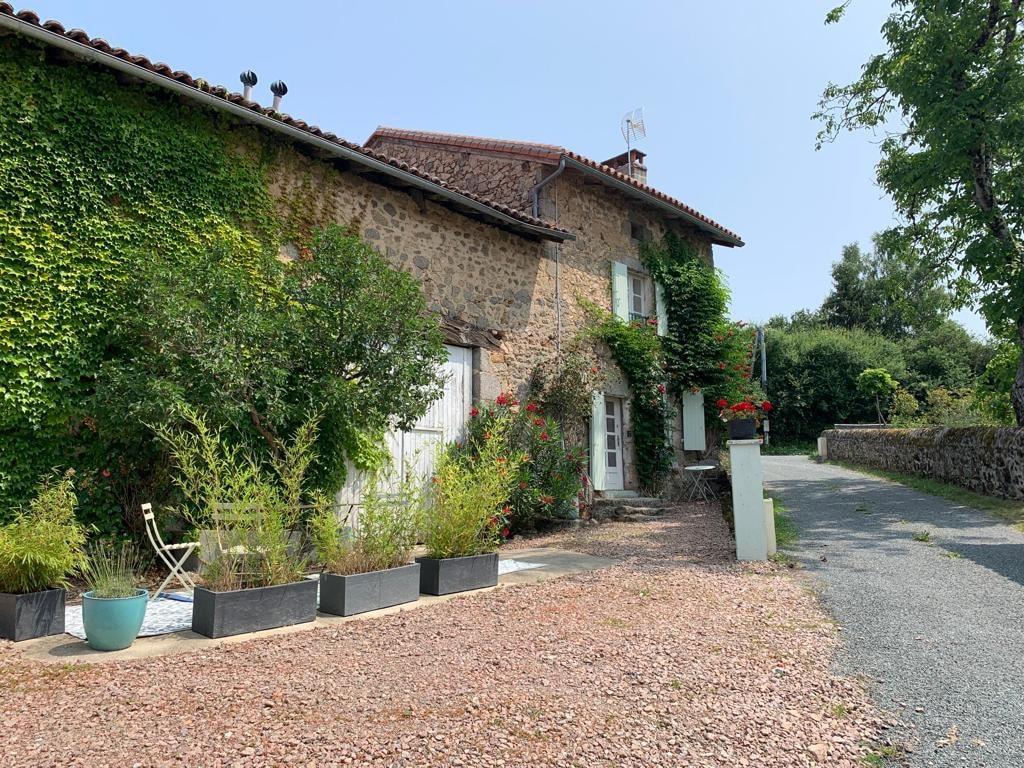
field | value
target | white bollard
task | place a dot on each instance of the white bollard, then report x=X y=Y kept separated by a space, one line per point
x=769 y=525
x=822 y=449
x=748 y=499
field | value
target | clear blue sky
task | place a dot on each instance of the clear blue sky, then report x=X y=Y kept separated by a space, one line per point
x=727 y=88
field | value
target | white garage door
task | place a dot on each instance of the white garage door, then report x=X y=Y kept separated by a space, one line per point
x=413 y=452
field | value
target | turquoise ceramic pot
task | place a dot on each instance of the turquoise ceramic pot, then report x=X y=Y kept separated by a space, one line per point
x=112 y=623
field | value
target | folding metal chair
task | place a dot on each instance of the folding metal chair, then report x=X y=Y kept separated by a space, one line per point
x=172 y=555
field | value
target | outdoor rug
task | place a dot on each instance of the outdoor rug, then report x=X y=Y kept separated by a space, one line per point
x=163 y=616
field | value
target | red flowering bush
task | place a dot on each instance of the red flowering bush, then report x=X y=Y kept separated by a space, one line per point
x=548 y=481
x=744 y=409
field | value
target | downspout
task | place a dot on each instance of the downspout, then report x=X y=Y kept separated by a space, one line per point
x=558 y=254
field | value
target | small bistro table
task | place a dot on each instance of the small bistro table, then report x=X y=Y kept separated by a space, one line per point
x=700 y=486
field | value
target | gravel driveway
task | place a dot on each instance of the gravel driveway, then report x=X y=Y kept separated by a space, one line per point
x=675 y=657
x=936 y=626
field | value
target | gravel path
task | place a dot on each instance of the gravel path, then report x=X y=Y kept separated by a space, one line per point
x=937 y=627
x=676 y=657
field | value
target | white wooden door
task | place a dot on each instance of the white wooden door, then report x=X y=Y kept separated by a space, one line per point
x=414 y=451
x=613 y=443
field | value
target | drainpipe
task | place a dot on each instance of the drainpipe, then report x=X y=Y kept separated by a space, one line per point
x=535 y=193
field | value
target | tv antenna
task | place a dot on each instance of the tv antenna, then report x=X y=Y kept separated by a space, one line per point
x=633 y=129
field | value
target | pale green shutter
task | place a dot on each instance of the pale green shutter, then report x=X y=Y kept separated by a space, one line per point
x=660 y=309
x=693 y=421
x=598 y=442
x=620 y=291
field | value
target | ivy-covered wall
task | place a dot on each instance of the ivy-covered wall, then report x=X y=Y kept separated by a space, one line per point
x=90 y=172
x=96 y=169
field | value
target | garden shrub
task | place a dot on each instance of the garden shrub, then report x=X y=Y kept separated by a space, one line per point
x=550 y=477
x=42 y=546
x=384 y=533
x=466 y=514
x=267 y=500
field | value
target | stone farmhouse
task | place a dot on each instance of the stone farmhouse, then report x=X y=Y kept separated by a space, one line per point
x=502 y=235
x=610 y=209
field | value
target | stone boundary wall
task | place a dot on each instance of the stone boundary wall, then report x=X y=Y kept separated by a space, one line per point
x=987 y=460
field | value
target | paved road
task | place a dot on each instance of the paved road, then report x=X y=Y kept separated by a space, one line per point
x=936 y=628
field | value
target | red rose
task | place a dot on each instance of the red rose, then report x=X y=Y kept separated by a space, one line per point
x=654 y=401
x=531 y=407
x=722 y=402
x=662 y=388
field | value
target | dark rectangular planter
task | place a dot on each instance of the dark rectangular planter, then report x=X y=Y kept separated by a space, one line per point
x=362 y=592
x=35 y=614
x=220 y=614
x=742 y=429
x=457 y=574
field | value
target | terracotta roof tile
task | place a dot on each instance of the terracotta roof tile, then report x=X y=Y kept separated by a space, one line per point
x=547 y=152
x=184 y=78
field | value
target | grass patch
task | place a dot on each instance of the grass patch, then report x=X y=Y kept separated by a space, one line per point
x=839 y=711
x=798 y=448
x=953 y=555
x=923 y=536
x=878 y=756
x=786 y=533
x=1010 y=511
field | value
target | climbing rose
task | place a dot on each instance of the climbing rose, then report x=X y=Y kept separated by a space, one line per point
x=662 y=388
x=531 y=407
x=722 y=402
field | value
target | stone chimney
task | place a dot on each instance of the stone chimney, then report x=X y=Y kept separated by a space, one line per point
x=621 y=164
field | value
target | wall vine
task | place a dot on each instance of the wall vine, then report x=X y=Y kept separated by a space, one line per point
x=92 y=172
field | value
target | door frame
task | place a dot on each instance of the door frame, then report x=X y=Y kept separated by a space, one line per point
x=614 y=476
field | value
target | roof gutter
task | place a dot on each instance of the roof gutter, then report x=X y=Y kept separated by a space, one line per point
x=723 y=237
x=189 y=92
x=535 y=192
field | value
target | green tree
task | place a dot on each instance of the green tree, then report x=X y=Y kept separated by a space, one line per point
x=258 y=346
x=877 y=383
x=889 y=290
x=949 y=91
x=812 y=375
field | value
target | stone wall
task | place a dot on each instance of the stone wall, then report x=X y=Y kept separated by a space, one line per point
x=987 y=460
x=474 y=275
x=603 y=221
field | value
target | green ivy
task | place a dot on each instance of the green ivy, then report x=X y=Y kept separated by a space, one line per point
x=637 y=350
x=696 y=299
x=91 y=173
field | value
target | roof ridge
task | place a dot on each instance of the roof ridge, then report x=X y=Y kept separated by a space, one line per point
x=200 y=85
x=553 y=153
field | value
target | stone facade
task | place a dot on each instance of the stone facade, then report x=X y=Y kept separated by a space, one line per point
x=496 y=284
x=987 y=460
x=603 y=220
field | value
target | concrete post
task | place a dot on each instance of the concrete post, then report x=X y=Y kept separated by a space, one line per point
x=769 y=525
x=748 y=499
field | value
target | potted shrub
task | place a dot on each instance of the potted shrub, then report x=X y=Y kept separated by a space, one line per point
x=367 y=567
x=743 y=418
x=255 y=578
x=114 y=606
x=464 y=520
x=39 y=549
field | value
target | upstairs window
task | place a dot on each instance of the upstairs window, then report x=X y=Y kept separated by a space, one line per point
x=639 y=296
